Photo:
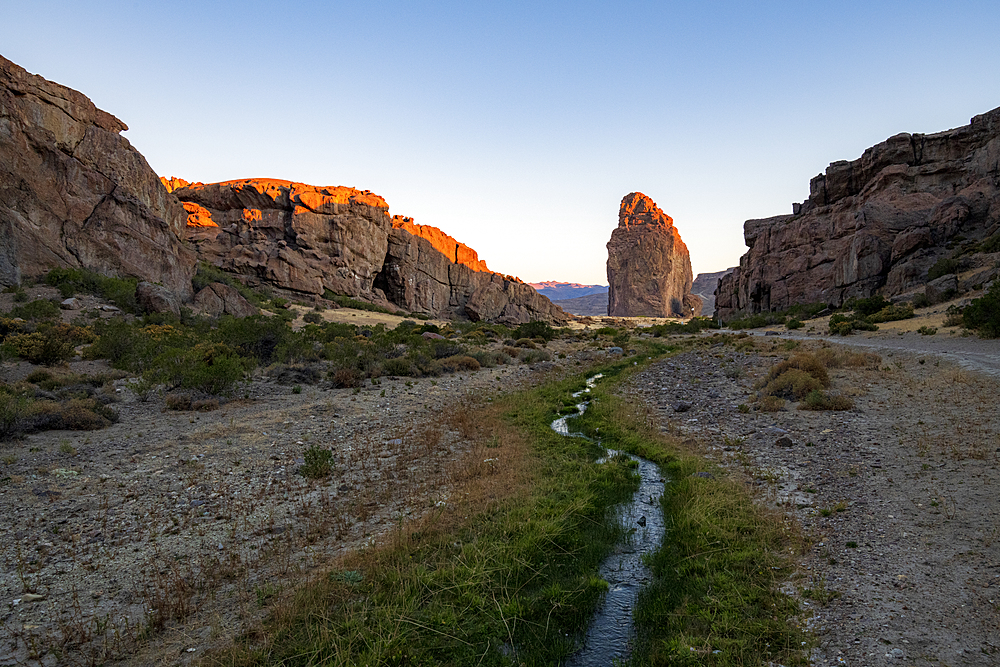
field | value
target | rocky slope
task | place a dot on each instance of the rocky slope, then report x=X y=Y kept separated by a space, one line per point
x=877 y=224
x=649 y=268
x=703 y=287
x=558 y=291
x=75 y=193
x=310 y=240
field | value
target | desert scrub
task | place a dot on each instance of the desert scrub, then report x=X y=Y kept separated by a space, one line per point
x=757 y=320
x=119 y=291
x=513 y=558
x=983 y=314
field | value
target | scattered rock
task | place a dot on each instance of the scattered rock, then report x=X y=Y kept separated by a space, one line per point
x=682 y=407
x=71 y=303
x=784 y=441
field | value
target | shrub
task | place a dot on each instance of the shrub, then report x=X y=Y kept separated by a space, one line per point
x=622 y=339
x=793 y=324
x=842 y=325
x=459 y=362
x=39 y=309
x=50 y=345
x=927 y=331
x=318 y=463
x=119 y=291
x=346 y=378
x=312 y=318
x=489 y=358
x=983 y=314
x=868 y=306
x=13 y=410
x=771 y=404
x=892 y=314
x=400 y=366
x=525 y=343
x=181 y=401
x=991 y=244
x=20 y=296
x=535 y=329
x=921 y=301
x=534 y=356
x=818 y=400
x=943 y=267
x=953 y=316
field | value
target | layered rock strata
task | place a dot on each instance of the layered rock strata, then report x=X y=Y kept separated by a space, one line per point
x=876 y=224
x=75 y=193
x=649 y=268
x=312 y=239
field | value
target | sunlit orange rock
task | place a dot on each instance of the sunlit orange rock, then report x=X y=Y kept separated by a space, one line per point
x=311 y=239
x=445 y=244
x=198 y=216
x=649 y=268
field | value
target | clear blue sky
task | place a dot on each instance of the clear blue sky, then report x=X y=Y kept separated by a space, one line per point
x=518 y=127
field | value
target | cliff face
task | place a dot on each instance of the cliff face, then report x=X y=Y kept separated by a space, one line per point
x=649 y=268
x=74 y=193
x=310 y=239
x=874 y=225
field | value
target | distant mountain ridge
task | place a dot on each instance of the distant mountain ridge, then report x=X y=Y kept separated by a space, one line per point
x=597 y=303
x=556 y=290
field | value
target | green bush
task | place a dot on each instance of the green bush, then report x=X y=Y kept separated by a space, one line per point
x=868 y=306
x=793 y=324
x=119 y=291
x=818 y=400
x=991 y=244
x=843 y=325
x=318 y=463
x=535 y=329
x=892 y=314
x=943 y=267
x=312 y=318
x=39 y=309
x=983 y=314
x=921 y=301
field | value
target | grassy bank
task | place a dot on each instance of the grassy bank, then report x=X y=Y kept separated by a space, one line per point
x=714 y=599
x=504 y=570
x=507 y=563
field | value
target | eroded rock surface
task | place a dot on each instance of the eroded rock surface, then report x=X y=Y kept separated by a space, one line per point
x=649 y=268
x=311 y=239
x=876 y=224
x=75 y=193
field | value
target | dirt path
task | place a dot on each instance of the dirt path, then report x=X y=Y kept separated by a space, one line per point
x=898 y=496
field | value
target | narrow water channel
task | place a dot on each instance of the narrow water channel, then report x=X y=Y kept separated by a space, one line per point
x=611 y=631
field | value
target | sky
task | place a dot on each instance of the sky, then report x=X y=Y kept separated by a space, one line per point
x=517 y=127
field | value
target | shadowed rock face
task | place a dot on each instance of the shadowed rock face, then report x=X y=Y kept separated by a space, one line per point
x=310 y=239
x=874 y=225
x=74 y=193
x=649 y=268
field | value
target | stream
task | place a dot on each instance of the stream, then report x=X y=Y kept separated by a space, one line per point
x=610 y=632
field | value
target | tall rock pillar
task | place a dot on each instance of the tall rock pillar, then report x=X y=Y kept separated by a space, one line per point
x=649 y=268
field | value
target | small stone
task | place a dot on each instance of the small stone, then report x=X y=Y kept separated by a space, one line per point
x=71 y=303
x=784 y=441
x=704 y=475
x=31 y=597
x=641 y=521
x=682 y=407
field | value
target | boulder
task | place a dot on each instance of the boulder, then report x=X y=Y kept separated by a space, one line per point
x=941 y=289
x=219 y=299
x=649 y=268
x=874 y=225
x=75 y=193
x=157 y=299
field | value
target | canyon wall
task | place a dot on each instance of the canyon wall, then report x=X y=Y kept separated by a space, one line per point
x=75 y=193
x=649 y=268
x=311 y=239
x=876 y=224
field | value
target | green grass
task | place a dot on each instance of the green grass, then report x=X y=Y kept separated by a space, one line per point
x=512 y=565
x=516 y=568
x=714 y=599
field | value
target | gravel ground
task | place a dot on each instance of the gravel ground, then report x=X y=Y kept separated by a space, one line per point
x=191 y=522
x=897 y=497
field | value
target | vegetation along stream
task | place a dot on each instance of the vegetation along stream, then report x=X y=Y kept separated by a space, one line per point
x=611 y=631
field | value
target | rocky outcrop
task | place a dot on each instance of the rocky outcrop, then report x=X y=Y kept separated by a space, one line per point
x=75 y=193
x=218 y=299
x=310 y=239
x=876 y=224
x=703 y=286
x=649 y=268
x=457 y=252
